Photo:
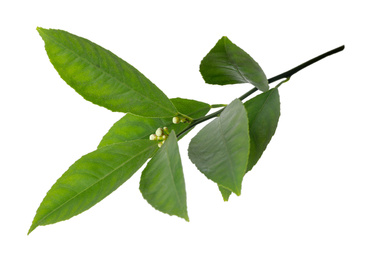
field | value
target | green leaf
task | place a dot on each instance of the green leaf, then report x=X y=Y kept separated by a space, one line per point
x=226 y=64
x=131 y=127
x=90 y=179
x=102 y=77
x=162 y=181
x=263 y=114
x=220 y=150
x=224 y=192
x=192 y=108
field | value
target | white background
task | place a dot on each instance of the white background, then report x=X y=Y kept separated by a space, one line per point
x=306 y=198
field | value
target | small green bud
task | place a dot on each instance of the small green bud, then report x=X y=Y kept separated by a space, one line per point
x=153 y=137
x=183 y=120
x=176 y=120
x=159 y=132
x=164 y=137
x=160 y=144
x=166 y=130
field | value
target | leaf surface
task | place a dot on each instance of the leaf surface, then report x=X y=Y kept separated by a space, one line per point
x=226 y=64
x=102 y=77
x=131 y=127
x=90 y=179
x=263 y=114
x=220 y=150
x=162 y=181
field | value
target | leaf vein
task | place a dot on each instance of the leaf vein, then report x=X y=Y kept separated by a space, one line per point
x=107 y=73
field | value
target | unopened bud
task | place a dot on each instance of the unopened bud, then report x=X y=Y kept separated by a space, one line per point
x=153 y=137
x=166 y=130
x=183 y=120
x=164 y=137
x=176 y=120
x=159 y=145
x=159 y=132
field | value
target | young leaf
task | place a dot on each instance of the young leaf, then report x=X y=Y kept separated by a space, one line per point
x=90 y=179
x=102 y=77
x=226 y=64
x=131 y=127
x=220 y=150
x=162 y=181
x=192 y=108
x=263 y=114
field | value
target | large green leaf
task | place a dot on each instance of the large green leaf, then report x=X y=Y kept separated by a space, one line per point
x=162 y=181
x=226 y=64
x=263 y=114
x=220 y=150
x=102 y=77
x=131 y=127
x=90 y=179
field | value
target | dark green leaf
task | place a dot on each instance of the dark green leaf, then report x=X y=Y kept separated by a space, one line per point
x=263 y=114
x=162 y=181
x=226 y=64
x=102 y=77
x=224 y=192
x=131 y=127
x=220 y=150
x=90 y=179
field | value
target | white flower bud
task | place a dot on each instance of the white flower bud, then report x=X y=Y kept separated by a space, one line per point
x=183 y=120
x=176 y=120
x=159 y=145
x=159 y=132
x=164 y=137
x=153 y=137
x=166 y=130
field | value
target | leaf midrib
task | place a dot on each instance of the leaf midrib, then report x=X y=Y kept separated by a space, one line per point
x=103 y=71
x=234 y=64
x=228 y=154
x=172 y=178
x=75 y=196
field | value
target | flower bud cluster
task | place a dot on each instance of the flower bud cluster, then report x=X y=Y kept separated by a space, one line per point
x=161 y=135
x=179 y=119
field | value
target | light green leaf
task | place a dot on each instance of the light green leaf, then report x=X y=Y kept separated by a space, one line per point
x=90 y=179
x=226 y=64
x=192 y=108
x=102 y=77
x=131 y=127
x=162 y=181
x=220 y=150
x=263 y=114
